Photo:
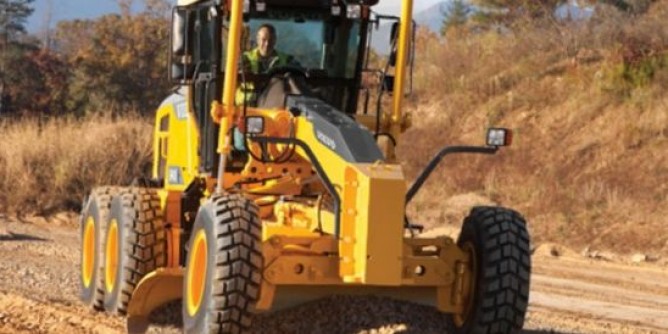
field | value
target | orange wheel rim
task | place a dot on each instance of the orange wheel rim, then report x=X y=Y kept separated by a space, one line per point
x=88 y=260
x=111 y=256
x=197 y=265
x=460 y=319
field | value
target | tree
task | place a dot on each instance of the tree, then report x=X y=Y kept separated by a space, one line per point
x=13 y=15
x=455 y=15
x=508 y=12
x=117 y=61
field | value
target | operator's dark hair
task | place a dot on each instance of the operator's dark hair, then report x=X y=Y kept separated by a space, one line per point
x=269 y=27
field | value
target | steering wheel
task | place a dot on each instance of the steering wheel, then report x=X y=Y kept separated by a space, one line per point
x=287 y=70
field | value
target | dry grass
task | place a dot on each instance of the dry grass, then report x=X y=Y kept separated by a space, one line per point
x=588 y=103
x=51 y=166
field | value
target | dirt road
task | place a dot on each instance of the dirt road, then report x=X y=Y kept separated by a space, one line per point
x=569 y=294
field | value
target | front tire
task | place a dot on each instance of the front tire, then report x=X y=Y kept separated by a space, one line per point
x=498 y=242
x=135 y=245
x=223 y=269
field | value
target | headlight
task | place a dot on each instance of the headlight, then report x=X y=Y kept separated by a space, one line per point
x=499 y=137
x=354 y=11
x=254 y=125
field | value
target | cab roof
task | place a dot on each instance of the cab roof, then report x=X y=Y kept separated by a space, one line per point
x=191 y=2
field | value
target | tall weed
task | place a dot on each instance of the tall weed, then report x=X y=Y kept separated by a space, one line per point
x=50 y=165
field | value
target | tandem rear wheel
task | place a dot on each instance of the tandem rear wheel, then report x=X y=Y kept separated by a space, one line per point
x=93 y=225
x=135 y=245
x=123 y=239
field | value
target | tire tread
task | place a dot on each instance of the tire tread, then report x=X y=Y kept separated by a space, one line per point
x=144 y=246
x=238 y=265
x=506 y=267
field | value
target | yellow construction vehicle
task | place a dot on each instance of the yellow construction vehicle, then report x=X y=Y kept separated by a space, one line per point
x=269 y=189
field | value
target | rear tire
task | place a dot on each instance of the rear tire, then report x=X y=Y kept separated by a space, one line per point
x=223 y=269
x=93 y=221
x=135 y=245
x=498 y=240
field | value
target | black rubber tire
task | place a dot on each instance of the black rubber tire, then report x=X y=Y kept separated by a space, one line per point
x=232 y=229
x=96 y=207
x=503 y=259
x=141 y=243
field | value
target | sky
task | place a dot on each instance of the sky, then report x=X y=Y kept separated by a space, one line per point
x=67 y=10
x=71 y=9
x=394 y=6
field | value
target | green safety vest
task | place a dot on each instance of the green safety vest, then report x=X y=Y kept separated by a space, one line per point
x=245 y=92
x=252 y=58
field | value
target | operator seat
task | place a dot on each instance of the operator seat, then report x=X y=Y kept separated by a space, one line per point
x=279 y=87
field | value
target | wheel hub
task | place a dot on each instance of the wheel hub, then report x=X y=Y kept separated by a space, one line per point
x=197 y=266
x=88 y=260
x=111 y=257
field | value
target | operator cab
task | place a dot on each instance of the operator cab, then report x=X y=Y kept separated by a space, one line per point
x=326 y=48
x=326 y=38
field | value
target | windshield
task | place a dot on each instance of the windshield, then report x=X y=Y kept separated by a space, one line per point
x=314 y=41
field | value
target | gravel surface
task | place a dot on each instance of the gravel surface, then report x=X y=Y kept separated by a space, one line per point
x=39 y=289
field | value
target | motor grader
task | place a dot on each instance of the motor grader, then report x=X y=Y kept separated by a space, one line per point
x=258 y=204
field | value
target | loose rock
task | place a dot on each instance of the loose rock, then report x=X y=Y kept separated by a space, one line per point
x=638 y=258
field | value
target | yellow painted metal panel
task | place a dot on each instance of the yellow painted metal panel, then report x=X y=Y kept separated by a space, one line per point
x=176 y=145
x=162 y=112
x=372 y=216
x=352 y=267
x=403 y=49
x=270 y=230
x=154 y=290
x=380 y=223
x=225 y=113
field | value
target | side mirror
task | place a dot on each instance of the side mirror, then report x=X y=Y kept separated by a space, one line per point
x=394 y=33
x=181 y=68
x=394 y=39
x=388 y=83
x=393 y=57
x=329 y=33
